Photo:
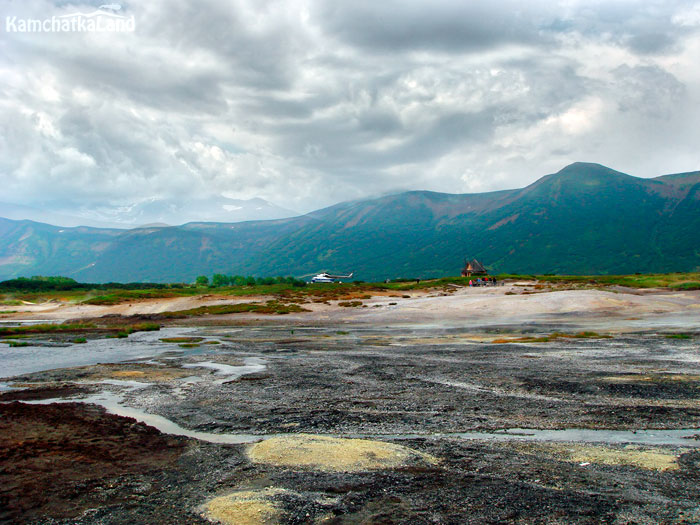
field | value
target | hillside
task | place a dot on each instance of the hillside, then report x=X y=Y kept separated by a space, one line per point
x=584 y=219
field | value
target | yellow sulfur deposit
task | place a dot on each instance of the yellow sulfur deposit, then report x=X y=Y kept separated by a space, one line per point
x=331 y=454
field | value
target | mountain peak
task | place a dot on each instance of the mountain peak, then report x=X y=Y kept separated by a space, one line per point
x=581 y=169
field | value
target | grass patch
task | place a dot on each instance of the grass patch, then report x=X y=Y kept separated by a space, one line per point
x=189 y=345
x=271 y=307
x=181 y=339
x=45 y=328
x=693 y=285
x=350 y=304
x=103 y=300
x=118 y=335
x=16 y=344
x=552 y=337
x=650 y=280
x=8 y=311
x=11 y=302
x=80 y=340
x=145 y=327
x=124 y=296
x=14 y=331
x=678 y=336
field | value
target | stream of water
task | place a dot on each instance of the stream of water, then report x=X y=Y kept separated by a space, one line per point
x=113 y=403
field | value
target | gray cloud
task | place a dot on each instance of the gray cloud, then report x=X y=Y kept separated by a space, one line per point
x=306 y=103
x=649 y=91
x=444 y=25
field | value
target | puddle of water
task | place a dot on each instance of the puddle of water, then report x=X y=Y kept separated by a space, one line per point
x=24 y=322
x=29 y=359
x=251 y=365
x=131 y=385
x=677 y=437
x=580 y=435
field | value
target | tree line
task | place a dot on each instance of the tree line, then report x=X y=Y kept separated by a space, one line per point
x=219 y=279
x=40 y=283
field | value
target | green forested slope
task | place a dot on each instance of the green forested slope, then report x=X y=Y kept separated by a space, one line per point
x=584 y=219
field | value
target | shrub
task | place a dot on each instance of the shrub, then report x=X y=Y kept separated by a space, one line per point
x=15 y=344
x=350 y=304
x=686 y=286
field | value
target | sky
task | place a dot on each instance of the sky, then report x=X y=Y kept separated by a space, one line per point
x=306 y=103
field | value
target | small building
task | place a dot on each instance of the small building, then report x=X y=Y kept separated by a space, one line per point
x=473 y=267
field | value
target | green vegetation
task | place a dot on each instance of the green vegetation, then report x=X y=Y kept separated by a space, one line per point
x=289 y=290
x=690 y=285
x=118 y=335
x=104 y=300
x=80 y=340
x=77 y=328
x=129 y=295
x=219 y=280
x=189 y=345
x=686 y=281
x=40 y=283
x=181 y=339
x=350 y=304
x=15 y=344
x=39 y=289
x=46 y=328
x=552 y=337
x=679 y=336
x=271 y=307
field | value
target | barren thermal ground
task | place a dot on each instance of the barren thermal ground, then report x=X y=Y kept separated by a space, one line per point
x=452 y=407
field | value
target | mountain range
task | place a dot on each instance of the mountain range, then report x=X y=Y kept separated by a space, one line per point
x=156 y=210
x=584 y=219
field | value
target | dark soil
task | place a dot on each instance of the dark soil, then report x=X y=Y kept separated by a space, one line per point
x=49 y=392
x=60 y=459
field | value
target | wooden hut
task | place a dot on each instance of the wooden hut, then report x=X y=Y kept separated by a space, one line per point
x=473 y=267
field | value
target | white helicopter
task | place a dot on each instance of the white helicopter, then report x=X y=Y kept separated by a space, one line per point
x=328 y=278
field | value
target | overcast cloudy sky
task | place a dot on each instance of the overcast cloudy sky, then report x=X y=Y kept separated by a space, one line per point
x=307 y=103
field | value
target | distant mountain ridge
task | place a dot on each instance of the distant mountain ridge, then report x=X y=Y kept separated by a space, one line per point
x=157 y=210
x=584 y=219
